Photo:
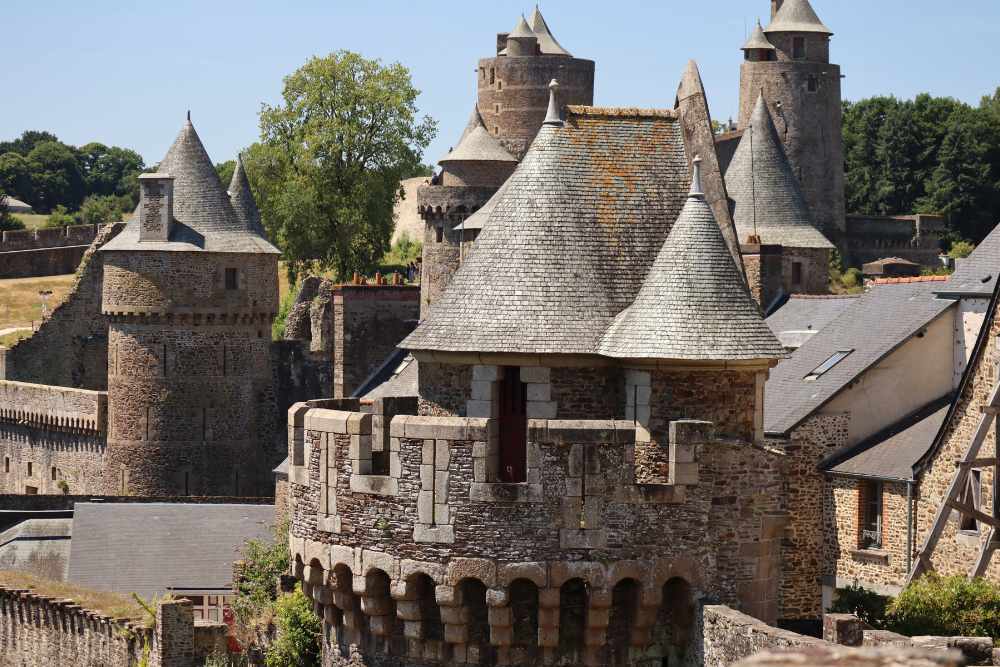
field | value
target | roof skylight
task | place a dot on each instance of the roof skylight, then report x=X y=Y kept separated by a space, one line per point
x=834 y=359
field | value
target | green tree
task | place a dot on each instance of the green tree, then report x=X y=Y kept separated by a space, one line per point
x=8 y=222
x=102 y=209
x=27 y=142
x=60 y=217
x=55 y=176
x=225 y=171
x=331 y=159
x=110 y=171
x=15 y=176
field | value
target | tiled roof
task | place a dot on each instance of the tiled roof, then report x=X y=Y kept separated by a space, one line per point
x=797 y=16
x=547 y=44
x=872 y=326
x=767 y=199
x=975 y=276
x=890 y=455
x=567 y=246
x=152 y=548
x=242 y=199
x=477 y=145
x=205 y=219
x=803 y=316
x=911 y=279
x=694 y=304
x=758 y=40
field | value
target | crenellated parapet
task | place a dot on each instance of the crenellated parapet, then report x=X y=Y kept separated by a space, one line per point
x=53 y=408
x=47 y=237
x=411 y=545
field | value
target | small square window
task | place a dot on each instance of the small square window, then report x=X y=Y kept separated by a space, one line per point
x=232 y=281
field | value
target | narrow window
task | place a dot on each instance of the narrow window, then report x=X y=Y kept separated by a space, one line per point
x=972 y=497
x=6 y=464
x=29 y=468
x=496 y=108
x=231 y=281
x=813 y=84
x=493 y=76
x=499 y=85
x=53 y=473
x=513 y=418
x=796 y=273
x=439 y=234
x=187 y=483
x=824 y=367
x=798 y=48
x=870 y=514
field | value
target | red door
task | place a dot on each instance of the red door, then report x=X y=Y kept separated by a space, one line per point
x=513 y=427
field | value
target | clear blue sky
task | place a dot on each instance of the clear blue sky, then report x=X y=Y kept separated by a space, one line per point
x=125 y=73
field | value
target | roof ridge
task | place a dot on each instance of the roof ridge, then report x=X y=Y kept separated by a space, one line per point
x=619 y=112
x=913 y=279
x=824 y=296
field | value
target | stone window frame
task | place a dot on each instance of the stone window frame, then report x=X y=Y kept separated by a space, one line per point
x=484 y=404
x=878 y=490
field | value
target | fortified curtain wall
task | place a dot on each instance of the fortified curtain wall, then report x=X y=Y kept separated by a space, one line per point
x=52 y=439
x=44 y=252
x=40 y=630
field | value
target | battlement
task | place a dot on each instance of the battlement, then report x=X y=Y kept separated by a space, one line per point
x=48 y=237
x=916 y=238
x=53 y=408
x=438 y=200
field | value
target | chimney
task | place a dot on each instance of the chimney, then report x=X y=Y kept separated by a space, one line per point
x=775 y=6
x=156 y=206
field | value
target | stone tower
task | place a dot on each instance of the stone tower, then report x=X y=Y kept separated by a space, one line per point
x=789 y=63
x=513 y=96
x=190 y=287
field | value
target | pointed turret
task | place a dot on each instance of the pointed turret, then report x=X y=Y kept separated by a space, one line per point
x=477 y=145
x=758 y=40
x=693 y=304
x=243 y=200
x=797 y=16
x=547 y=43
x=767 y=198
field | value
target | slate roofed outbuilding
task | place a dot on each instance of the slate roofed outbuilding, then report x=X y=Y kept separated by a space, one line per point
x=567 y=246
x=797 y=16
x=767 y=199
x=693 y=304
x=870 y=328
x=153 y=548
x=204 y=216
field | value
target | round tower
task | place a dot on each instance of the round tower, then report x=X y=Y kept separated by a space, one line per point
x=512 y=102
x=789 y=63
x=190 y=287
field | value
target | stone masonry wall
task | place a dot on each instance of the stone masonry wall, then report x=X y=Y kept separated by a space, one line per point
x=70 y=349
x=436 y=510
x=882 y=570
x=728 y=636
x=803 y=550
x=38 y=630
x=44 y=252
x=957 y=550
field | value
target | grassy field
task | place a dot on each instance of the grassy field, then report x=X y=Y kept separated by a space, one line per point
x=19 y=302
x=32 y=220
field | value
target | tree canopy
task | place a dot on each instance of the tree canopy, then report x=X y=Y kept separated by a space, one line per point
x=328 y=168
x=927 y=155
x=46 y=173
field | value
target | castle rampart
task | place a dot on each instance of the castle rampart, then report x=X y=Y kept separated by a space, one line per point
x=426 y=534
x=916 y=238
x=44 y=252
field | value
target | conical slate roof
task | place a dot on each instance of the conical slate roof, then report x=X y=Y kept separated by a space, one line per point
x=568 y=243
x=797 y=16
x=693 y=304
x=204 y=216
x=547 y=43
x=758 y=40
x=477 y=145
x=242 y=199
x=767 y=199
x=522 y=29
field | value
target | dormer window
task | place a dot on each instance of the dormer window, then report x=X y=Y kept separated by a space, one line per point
x=232 y=280
x=798 y=48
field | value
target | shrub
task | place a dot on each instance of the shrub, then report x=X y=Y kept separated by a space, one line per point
x=100 y=210
x=947 y=606
x=851 y=278
x=278 y=328
x=299 y=630
x=961 y=249
x=60 y=217
x=867 y=605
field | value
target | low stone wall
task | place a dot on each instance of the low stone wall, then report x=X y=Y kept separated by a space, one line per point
x=39 y=630
x=44 y=252
x=729 y=636
x=47 y=237
x=58 y=408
